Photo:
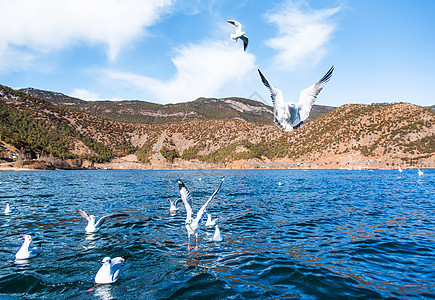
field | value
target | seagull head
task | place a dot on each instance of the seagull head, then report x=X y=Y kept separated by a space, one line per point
x=189 y=220
x=27 y=238
x=105 y=260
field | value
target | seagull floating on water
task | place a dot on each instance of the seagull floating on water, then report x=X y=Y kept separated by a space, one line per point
x=109 y=271
x=239 y=34
x=25 y=251
x=174 y=205
x=8 y=209
x=420 y=172
x=95 y=227
x=291 y=115
x=210 y=222
x=217 y=236
x=192 y=225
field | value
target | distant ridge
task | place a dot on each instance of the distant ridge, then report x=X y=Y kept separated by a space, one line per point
x=151 y=113
x=35 y=132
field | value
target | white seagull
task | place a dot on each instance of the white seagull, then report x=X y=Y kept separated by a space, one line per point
x=217 y=236
x=8 y=209
x=239 y=34
x=420 y=173
x=174 y=205
x=95 y=227
x=25 y=251
x=192 y=225
x=291 y=115
x=210 y=222
x=109 y=271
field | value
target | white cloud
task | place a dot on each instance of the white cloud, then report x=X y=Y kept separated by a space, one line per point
x=302 y=34
x=84 y=95
x=48 y=25
x=202 y=71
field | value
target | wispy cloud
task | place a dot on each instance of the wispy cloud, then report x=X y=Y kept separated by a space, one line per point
x=201 y=71
x=84 y=94
x=46 y=25
x=303 y=33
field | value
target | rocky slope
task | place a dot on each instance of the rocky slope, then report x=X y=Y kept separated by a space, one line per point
x=351 y=136
x=152 y=113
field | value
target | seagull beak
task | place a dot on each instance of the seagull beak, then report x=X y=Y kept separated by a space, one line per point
x=22 y=235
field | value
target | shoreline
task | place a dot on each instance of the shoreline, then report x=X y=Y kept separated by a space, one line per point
x=16 y=169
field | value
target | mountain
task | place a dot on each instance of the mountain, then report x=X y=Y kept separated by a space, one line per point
x=53 y=97
x=151 y=113
x=350 y=136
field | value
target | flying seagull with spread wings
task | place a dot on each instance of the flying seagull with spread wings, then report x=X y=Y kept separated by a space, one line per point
x=289 y=115
x=192 y=225
x=239 y=33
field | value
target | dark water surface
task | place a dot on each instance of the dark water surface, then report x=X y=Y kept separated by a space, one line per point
x=321 y=234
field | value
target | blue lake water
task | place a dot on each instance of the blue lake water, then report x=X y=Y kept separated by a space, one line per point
x=320 y=234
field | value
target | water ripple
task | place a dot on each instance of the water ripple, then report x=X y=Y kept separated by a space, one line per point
x=320 y=234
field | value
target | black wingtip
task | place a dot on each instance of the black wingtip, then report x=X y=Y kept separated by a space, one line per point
x=180 y=184
x=327 y=76
x=263 y=79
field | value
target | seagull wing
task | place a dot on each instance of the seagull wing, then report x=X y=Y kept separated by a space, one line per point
x=245 y=42
x=83 y=214
x=279 y=106
x=275 y=94
x=187 y=199
x=237 y=24
x=102 y=220
x=204 y=207
x=309 y=95
x=177 y=201
x=116 y=260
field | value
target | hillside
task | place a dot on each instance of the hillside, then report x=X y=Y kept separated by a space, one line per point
x=351 y=136
x=153 y=114
x=37 y=127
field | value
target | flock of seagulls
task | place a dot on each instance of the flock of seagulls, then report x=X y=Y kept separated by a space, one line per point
x=287 y=115
x=111 y=267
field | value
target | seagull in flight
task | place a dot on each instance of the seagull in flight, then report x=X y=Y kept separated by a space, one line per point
x=289 y=116
x=95 y=226
x=192 y=224
x=239 y=33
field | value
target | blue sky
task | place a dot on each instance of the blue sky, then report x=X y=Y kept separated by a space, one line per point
x=167 y=51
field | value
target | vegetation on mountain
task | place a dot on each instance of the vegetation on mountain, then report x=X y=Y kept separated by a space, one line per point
x=37 y=126
x=386 y=134
x=151 y=113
